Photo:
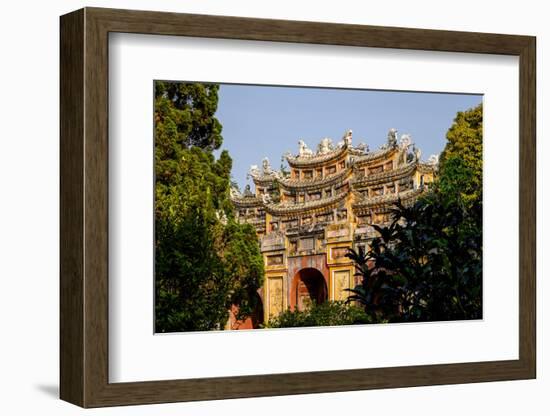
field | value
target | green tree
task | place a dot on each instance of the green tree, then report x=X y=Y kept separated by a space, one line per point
x=427 y=265
x=204 y=260
x=330 y=313
x=184 y=116
x=461 y=162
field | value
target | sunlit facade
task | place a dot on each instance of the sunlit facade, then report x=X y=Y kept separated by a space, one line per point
x=307 y=218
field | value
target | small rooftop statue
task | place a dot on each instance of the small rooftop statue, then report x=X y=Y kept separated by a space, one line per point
x=247 y=191
x=325 y=146
x=348 y=138
x=303 y=150
x=363 y=147
x=392 y=137
x=433 y=160
x=405 y=141
x=417 y=153
x=266 y=167
x=254 y=171
x=234 y=192
x=404 y=144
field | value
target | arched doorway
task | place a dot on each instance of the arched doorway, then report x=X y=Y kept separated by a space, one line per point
x=308 y=286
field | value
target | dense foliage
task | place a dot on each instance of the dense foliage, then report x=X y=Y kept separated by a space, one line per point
x=427 y=265
x=461 y=162
x=204 y=260
x=330 y=313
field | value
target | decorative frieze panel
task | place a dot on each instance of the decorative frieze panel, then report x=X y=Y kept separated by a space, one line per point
x=377 y=191
x=337 y=232
x=273 y=241
x=364 y=219
x=365 y=231
x=376 y=169
x=342 y=214
x=275 y=260
x=325 y=218
x=382 y=217
x=405 y=185
x=306 y=244
x=341 y=282
x=292 y=247
x=338 y=252
x=275 y=295
x=290 y=224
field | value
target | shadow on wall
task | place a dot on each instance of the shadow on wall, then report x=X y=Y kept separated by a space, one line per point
x=51 y=390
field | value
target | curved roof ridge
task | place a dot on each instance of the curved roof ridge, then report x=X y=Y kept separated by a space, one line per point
x=383 y=199
x=305 y=183
x=378 y=153
x=315 y=158
x=388 y=174
x=304 y=206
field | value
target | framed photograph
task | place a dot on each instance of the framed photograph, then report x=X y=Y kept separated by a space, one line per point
x=255 y=207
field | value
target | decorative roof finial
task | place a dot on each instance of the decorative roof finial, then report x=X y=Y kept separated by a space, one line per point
x=417 y=153
x=234 y=192
x=433 y=160
x=348 y=138
x=266 y=167
x=405 y=141
x=303 y=149
x=392 y=137
x=254 y=171
x=325 y=146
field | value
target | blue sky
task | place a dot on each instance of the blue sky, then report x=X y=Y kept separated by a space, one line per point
x=260 y=121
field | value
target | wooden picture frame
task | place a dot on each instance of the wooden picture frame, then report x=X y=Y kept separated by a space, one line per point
x=84 y=207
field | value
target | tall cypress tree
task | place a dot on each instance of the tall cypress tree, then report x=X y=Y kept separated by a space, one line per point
x=204 y=260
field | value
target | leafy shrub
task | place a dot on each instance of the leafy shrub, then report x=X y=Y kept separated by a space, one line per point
x=330 y=313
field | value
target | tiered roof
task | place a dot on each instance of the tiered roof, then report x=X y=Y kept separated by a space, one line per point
x=264 y=176
x=385 y=176
x=352 y=173
x=246 y=199
x=379 y=154
x=374 y=201
x=288 y=208
x=326 y=152
x=315 y=159
x=313 y=183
